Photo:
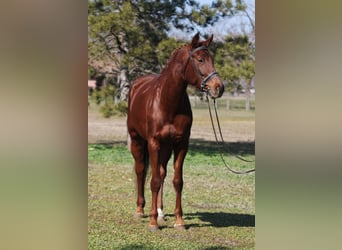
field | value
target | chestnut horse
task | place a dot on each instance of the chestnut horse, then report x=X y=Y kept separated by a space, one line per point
x=159 y=121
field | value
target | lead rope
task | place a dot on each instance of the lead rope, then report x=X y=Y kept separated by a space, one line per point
x=222 y=141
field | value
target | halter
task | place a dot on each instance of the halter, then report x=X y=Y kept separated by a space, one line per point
x=199 y=73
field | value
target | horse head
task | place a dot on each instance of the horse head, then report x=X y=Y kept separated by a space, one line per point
x=201 y=72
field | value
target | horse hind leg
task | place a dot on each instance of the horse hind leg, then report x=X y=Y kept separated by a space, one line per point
x=140 y=155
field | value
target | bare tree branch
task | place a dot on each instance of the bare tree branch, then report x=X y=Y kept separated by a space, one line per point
x=119 y=43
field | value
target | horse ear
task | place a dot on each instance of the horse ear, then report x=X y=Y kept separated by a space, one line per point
x=208 y=41
x=195 y=40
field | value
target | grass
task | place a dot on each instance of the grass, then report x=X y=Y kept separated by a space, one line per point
x=218 y=207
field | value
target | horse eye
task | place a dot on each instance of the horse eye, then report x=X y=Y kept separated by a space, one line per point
x=200 y=60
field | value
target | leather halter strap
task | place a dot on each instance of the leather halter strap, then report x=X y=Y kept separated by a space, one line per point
x=199 y=73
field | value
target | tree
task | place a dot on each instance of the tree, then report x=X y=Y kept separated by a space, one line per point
x=132 y=34
x=235 y=61
x=127 y=32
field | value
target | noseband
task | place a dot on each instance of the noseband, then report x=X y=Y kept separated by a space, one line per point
x=199 y=73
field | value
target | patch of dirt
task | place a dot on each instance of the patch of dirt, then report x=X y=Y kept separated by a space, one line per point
x=106 y=130
x=111 y=130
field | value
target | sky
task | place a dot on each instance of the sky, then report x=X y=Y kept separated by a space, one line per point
x=227 y=26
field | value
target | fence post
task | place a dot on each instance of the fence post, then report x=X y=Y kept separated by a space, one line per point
x=228 y=103
x=248 y=102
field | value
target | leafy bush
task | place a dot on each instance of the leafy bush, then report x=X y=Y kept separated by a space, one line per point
x=121 y=108
x=105 y=97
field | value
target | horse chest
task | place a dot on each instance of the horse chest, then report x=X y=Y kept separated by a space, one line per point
x=179 y=129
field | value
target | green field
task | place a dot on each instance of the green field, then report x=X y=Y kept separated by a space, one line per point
x=218 y=206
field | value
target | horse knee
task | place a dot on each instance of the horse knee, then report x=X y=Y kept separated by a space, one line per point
x=178 y=184
x=155 y=183
x=140 y=170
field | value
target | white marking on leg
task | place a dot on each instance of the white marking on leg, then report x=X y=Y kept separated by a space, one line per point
x=160 y=212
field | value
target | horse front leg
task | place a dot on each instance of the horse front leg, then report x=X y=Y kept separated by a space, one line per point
x=180 y=152
x=165 y=154
x=153 y=148
x=160 y=205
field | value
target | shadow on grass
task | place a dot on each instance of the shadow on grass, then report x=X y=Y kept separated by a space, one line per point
x=217 y=248
x=221 y=219
x=198 y=146
x=211 y=147
x=139 y=246
x=135 y=246
x=108 y=144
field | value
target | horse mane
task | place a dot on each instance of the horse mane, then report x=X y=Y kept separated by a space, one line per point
x=172 y=56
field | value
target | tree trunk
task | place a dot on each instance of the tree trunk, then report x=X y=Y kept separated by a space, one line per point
x=248 y=96
x=124 y=84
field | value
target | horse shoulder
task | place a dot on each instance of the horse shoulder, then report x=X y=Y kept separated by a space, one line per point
x=183 y=120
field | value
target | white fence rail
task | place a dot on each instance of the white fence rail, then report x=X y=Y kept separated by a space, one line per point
x=226 y=101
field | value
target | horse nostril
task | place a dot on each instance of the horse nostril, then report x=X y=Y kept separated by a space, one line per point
x=220 y=90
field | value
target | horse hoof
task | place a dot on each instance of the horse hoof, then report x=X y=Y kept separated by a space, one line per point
x=179 y=226
x=161 y=220
x=153 y=228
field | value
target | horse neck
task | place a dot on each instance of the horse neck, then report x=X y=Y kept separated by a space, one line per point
x=173 y=86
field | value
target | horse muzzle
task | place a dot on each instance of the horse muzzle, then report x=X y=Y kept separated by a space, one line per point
x=213 y=85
